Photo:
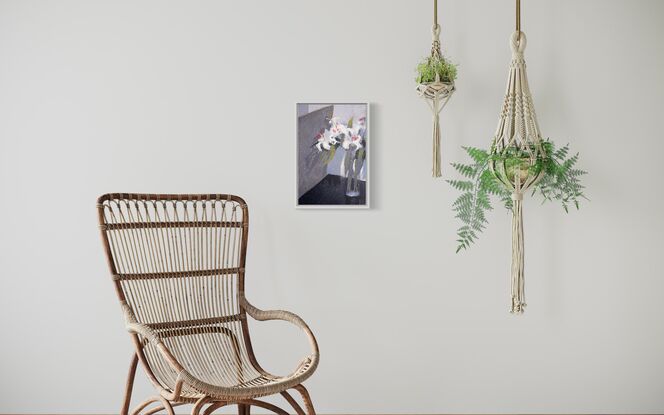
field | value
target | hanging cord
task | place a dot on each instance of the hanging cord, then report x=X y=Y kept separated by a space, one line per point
x=436 y=103
x=518 y=281
x=435 y=32
x=518 y=19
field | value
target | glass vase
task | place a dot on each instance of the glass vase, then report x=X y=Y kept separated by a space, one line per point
x=352 y=168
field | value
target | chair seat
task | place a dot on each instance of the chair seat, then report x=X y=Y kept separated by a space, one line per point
x=262 y=385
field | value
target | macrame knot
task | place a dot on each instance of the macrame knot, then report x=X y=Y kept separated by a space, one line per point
x=517 y=196
x=435 y=31
x=518 y=45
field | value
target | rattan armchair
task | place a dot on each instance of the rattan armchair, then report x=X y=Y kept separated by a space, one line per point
x=178 y=265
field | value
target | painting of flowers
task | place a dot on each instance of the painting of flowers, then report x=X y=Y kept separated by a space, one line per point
x=332 y=155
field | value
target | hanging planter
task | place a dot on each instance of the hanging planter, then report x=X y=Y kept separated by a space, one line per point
x=435 y=83
x=517 y=161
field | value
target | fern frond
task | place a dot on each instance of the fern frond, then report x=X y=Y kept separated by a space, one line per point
x=471 y=206
x=561 y=153
x=561 y=180
x=464 y=169
x=478 y=155
x=463 y=185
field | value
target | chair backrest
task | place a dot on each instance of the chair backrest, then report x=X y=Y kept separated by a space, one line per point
x=178 y=264
x=176 y=259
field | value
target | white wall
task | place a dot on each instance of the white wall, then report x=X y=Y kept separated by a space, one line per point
x=199 y=97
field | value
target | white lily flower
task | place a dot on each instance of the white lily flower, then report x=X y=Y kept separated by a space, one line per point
x=338 y=129
x=330 y=138
x=355 y=137
x=325 y=140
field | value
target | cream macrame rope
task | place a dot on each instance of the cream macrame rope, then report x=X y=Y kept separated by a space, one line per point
x=435 y=43
x=518 y=282
x=517 y=128
x=437 y=94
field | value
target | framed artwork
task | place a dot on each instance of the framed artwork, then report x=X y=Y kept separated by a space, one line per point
x=332 y=155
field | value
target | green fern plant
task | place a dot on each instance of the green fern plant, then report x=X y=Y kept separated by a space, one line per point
x=430 y=66
x=560 y=181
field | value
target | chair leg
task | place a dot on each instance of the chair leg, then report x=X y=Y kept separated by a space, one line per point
x=130 y=385
x=306 y=398
x=196 y=409
x=243 y=409
x=167 y=406
x=162 y=407
x=144 y=405
x=293 y=403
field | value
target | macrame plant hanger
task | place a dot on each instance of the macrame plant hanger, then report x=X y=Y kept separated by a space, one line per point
x=436 y=93
x=518 y=131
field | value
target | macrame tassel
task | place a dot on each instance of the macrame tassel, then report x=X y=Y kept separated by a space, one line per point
x=436 y=143
x=518 y=292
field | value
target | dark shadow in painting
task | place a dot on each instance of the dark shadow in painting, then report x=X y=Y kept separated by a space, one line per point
x=332 y=191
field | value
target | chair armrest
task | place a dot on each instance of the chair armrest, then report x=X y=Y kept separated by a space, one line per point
x=133 y=326
x=264 y=315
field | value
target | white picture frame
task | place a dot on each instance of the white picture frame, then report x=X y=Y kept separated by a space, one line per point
x=321 y=178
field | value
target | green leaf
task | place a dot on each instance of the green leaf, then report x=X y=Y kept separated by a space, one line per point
x=560 y=180
x=464 y=169
x=429 y=67
x=478 y=155
x=463 y=185
x=330 y=155
x=471 y=206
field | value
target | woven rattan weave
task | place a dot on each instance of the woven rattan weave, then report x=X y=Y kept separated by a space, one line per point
x=178 y=265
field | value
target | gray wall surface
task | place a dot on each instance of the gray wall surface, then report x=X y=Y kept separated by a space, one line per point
x=198 y=96
x=311 y=168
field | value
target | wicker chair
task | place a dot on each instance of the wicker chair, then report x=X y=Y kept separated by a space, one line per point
x=177 y=262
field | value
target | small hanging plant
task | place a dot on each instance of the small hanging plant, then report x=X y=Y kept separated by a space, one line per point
x=436 y=69
x=435 y=83
x=548 y=171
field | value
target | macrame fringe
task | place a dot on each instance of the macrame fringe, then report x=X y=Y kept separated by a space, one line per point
x=518 y=282
x=436 y=171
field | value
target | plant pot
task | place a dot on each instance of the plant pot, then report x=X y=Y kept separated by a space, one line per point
x=517 y=169
x=513 y=170
x=440 y=90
